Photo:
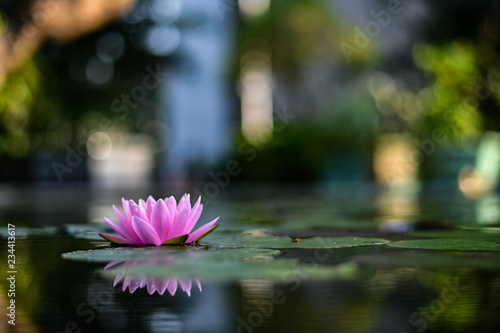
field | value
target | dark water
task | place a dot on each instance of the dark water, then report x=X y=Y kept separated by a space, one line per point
x=57 y=295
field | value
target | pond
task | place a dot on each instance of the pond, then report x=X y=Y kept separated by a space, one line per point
x=324 y=258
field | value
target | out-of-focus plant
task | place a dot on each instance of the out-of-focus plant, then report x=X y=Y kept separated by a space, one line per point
x=29 y=118
x=303 y=31
x=448 y=102
x=46 y=102
x=335 y=116
x=330 y=145
x=303 y=38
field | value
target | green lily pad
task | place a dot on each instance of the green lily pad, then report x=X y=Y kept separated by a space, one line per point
x=202 y=263
x=282 y=270
x=463 y=260
x=458 y=244
x=325 y=222
x=94 y=236
x=289 y=243
x=165 y=253
x=458 y=233
x=24 y=232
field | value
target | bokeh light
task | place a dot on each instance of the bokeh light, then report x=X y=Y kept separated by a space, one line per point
x=162 y=40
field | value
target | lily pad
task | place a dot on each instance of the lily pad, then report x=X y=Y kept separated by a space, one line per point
x=457 y=244
x=282 y=270
x=325 y=222
x=87 y=228
x=289 y=243
x=459 y=233
x=162 y=253
x=202 y=263
x=24 y=232
x=464 y=260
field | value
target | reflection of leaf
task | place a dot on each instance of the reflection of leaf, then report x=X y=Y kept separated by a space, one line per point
x=464 y=260
x=288 y=243
x=460 y=244
x=162 y=253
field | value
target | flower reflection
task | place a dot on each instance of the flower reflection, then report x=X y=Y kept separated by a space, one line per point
x=153 y=284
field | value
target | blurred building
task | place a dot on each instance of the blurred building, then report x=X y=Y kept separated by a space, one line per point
x=198 y=95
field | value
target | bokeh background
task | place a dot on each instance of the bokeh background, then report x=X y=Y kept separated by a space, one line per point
x=128 y=92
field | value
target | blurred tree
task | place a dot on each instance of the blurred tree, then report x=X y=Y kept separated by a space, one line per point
x=30 y=105
x=27 y=112
x=68 y=77
x=332 y=133
x=452 y=81
x=60 y=20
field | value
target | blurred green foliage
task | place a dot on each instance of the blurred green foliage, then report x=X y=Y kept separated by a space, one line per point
x=450 y=100
x=334 y=130
x=328 y=146
x=29 y=116
x=302 y=31
x=47 y=104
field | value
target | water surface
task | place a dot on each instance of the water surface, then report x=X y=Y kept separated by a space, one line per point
x=390 y=290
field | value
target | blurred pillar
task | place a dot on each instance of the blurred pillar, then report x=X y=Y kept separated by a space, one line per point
x=396 y=160
x=482 y=179
x=197 y=99
x=256 y=94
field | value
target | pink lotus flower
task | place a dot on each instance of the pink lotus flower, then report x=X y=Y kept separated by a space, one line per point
x=159 y=285
x=158 y=222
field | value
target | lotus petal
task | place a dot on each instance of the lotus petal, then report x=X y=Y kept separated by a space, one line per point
x=160 y=219
x=179 y=223
x=202 y=231
x=145 y=231
x=114 y=239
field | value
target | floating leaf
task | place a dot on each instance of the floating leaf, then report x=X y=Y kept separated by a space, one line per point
x=283 y=270
x=23 y=232
x=459 y=233
x=162 y=253
x=288 y=243
x=325 y=222
x=463 y=260
x=202 y=263
x=459 y=244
